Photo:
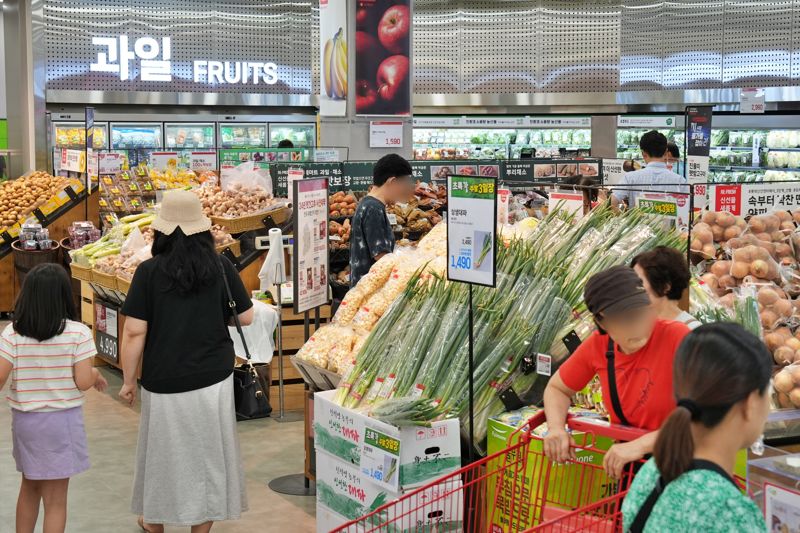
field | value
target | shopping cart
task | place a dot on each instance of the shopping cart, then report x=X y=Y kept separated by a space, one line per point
x=516 y=490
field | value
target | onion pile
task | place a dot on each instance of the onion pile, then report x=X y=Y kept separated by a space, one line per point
x=787 y=387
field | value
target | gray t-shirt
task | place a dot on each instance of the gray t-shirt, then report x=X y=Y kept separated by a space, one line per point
x=371 y=236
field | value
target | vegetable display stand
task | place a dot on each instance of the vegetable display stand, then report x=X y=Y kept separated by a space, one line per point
x=468 y=499
x=25 y=260
x=235 y=248
x=252 y=222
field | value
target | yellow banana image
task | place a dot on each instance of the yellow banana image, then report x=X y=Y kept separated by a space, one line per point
x=334 y=68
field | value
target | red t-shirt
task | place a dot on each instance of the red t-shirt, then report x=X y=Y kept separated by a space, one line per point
x=644 y=378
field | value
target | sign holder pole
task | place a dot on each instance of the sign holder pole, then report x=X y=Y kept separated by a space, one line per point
x=88 y=148
x=471 y=381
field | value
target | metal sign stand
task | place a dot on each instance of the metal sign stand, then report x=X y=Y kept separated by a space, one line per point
x=283 y=416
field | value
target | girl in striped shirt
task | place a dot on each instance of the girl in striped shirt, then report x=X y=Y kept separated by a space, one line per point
x=48 y=357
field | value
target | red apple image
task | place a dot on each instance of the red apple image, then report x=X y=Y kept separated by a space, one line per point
x=368 y=14
x=366 y=97
x=394 y=28
x=393 y=80
x=369 y=54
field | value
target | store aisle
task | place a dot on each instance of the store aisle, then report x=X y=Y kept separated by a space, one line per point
x=100 y=498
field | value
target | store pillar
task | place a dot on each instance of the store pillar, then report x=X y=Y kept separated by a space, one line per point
x=24 y=93
x=604 y=136
x=351 y=130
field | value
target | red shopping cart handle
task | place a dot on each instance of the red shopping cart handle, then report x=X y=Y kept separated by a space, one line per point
x=598 y=428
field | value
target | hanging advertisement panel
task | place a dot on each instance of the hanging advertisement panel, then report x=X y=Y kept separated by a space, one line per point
x=471 y=229
x=333 y=58
x=383 y=66
x=698 y=148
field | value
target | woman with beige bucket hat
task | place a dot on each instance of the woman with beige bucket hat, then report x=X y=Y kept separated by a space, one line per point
x=188 y=465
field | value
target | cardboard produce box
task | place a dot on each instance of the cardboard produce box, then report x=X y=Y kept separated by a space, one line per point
x=396 y=458
x=345 y=494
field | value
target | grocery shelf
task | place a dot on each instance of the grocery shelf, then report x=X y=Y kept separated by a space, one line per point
x=731 y=147
x=768 y=149
x=746 y=169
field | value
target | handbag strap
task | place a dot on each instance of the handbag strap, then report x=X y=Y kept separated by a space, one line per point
x=647 y=507
x=612 y=383
x=232 y=306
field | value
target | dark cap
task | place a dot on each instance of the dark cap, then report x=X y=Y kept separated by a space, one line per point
x=614 y=291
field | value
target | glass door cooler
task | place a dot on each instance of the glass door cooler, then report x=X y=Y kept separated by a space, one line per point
x=136 y=141
x=73 y=135
x=242 y=135
x=302 y=135
x=189 y=136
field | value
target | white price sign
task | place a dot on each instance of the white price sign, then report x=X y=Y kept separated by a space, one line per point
x=627 y=121
x=613 y=171
x=385 y=134
x=73 y=160
x=294 y=174
x=162 y=160
x=471 y=229
x=751 y=101
x=571 y=202
x=109 y=163
x=203 y=160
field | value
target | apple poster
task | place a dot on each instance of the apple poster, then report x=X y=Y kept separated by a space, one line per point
x=383 y=70
x=333 y=58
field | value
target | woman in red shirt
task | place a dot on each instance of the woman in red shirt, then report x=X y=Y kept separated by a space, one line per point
x=637 y=348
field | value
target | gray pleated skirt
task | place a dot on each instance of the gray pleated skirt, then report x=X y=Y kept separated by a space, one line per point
x=188 y=464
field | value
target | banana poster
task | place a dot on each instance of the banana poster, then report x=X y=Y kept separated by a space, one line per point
x=333 y=59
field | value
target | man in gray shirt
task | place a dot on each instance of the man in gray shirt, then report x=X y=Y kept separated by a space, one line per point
x=654 y=177
x=372 y=236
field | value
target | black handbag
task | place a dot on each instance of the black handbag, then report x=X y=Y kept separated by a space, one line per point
x=248 y=394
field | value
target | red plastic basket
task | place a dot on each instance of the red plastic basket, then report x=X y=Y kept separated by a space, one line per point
x=580 y=497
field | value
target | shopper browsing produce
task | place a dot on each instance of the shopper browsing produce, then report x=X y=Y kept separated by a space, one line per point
x=665 y=275
x=176 y=316
x=49 y=359
x=372 y=236
x=722 y=381
x=653 y=177
x=632 y=353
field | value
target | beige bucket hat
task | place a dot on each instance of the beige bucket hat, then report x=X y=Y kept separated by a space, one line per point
x=181 y=209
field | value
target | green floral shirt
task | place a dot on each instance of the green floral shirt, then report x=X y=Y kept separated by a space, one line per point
x=700 y=500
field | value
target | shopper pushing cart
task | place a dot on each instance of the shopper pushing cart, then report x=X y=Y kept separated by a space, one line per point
x=632 y=352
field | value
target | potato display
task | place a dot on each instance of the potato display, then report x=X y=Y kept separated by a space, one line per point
x=342 y=205
x=339 y=235
x=237 y=202
x=19 y=197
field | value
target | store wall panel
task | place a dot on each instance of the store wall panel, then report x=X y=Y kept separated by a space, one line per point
x=437 y=47
x=693 y=37
x=641 y=56
x=758 y=43
x=496 y=53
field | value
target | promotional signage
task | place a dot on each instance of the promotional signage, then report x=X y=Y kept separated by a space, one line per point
x=384 y=134
x=383 y=67
x=333 y=58
x=471 y=229
x=503 y=200
x=292 y=175
x=155 y=63
x=203 y=161
x=624 y=121
x=357 y=175
x=91 y=157
x=569 y=202
x=105 y=331
x=73 y=160
x=665 y=205
x=162 y=160
x=310 y=266
x=503 y=122
x=781 y=508
x=698 y=146
x=751 y=100
x=261 y=156
x=613 y=171
x=280 y=175
x=754 y=198
x=109 y=163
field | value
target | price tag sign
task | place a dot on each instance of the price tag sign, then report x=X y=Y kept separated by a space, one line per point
x=310 y=267
x=293 y=174
x=471 y=229
x=385 y=134
x=73 y=160
x=109 y=163
x=751 y=101
x=105 y=331
x=380 y=459
x=570 y=202
x=162 y=160
x=203 y=161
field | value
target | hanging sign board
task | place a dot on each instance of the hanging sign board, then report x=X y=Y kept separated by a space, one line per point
x=570 y=202
x=310 y=265
x=751 y=101
x=613 y=171
x=698 y=147
x=73 y=160
x=199 y=161
x=471 y=229
x=503 y=201
x=385 y=134
x=627 y=121
x=754 y=198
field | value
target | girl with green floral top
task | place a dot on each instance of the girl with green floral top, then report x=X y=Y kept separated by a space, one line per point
x=722 y=379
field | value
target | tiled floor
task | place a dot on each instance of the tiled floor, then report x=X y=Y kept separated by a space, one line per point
x=100 y=498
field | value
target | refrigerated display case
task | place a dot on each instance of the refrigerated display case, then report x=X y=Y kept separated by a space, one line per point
x=301 y=135
x=456 y=143
x=243 y=135
x=134 y=136
x=73 y=135
x=628 y=141
x=185 y=135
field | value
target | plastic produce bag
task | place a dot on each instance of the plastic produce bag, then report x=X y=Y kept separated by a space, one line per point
x=756 y=261
x=246 y=175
